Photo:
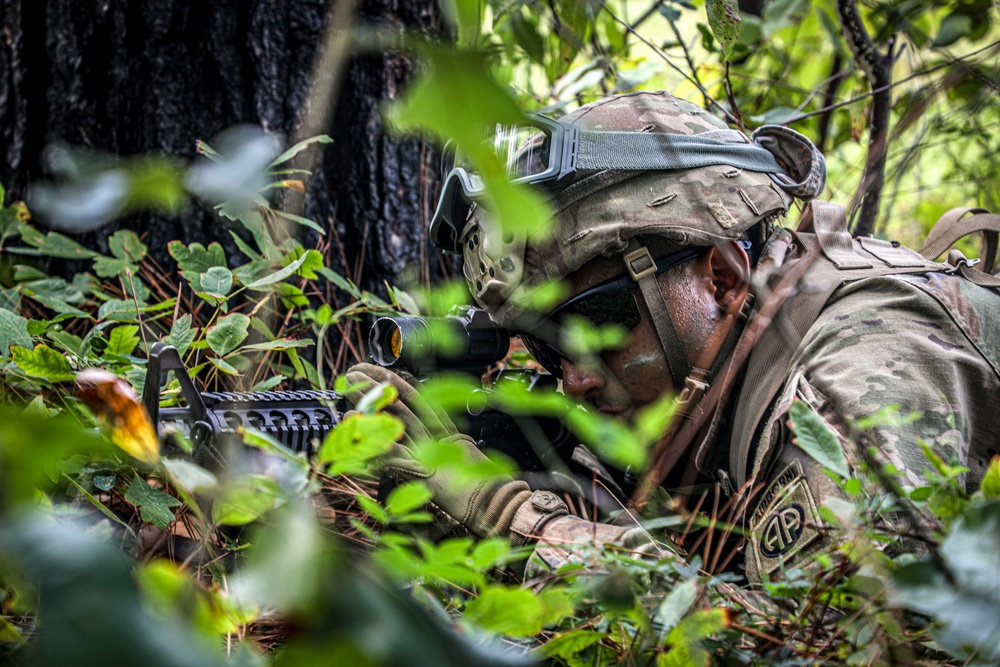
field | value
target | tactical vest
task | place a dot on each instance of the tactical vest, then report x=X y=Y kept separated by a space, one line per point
x=825 y=258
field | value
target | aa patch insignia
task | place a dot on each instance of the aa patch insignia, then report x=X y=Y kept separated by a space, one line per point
x=785 y=520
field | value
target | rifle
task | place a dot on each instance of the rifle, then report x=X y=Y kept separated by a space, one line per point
x=467 y=341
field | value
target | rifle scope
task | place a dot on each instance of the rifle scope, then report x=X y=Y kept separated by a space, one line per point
x=466 y=342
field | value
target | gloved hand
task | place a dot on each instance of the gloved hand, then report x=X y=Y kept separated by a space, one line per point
x=493 y=507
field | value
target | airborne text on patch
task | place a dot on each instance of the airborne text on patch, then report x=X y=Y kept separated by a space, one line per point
x=785 y=520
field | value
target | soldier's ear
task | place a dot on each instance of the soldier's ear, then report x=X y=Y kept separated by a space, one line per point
x=728 y=267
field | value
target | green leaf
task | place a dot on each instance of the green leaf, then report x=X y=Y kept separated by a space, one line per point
x=280 y=275
x=340 y=281
x=120 y=310
x=567 y=645
x=13 y=331
x=246 y=500
x=122 y=340
x=990 y=485
x=490 y=553
x=516 y=612
x=675 y=605
x=8 y=633
x=299 y=147
x=228 y=333
x=224 y=366
x=181 y=334
x=407 y=497
x=815 y=438
x=154 y=505
x=190 y=476
x=125 y=244
x=218 y=280
x=43 y=362
x=52 y=244
x=196 y=257
x=359 y=439
x=954 y=27
x=109 y=267
x=280 y=344
x=298 y=219
x=724 y=19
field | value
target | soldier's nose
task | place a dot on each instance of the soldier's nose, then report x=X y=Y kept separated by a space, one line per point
x=580 y=381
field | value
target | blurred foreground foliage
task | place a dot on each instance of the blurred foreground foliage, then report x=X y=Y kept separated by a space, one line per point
x=115 y=552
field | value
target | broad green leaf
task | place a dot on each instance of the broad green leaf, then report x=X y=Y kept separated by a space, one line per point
x=228 y=333
x=407 y=497
x=154 y=505
x=60 y=307
x=280 y=275
x=43 y=362
x=13 y=331
x=55 y=288
x=268 y=384
x=181 y=334
x=357 y=440
x=246 y=500
x=125 y=244
x=567 y=645
x=815 y=438
x=197 y=257
x=190 y=476
x=218 y=280
x=490 y=553
x=954 y=27
x=8 y=633
x=990 y=485
x=122 y=340
x=120 y=310
x=52 y=244
x=675 y=605
x=511 y=611
x=109 y=267
x=724 y=19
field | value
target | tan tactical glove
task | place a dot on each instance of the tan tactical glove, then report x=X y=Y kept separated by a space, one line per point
x=494 y=507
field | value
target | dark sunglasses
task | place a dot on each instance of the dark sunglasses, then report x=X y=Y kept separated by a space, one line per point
x=610 y=303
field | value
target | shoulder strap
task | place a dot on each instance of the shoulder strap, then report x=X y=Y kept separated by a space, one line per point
x=838 y=259
x=957 y=223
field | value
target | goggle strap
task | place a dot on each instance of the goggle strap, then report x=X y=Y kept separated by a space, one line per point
x=673 y=349
x=647 y=151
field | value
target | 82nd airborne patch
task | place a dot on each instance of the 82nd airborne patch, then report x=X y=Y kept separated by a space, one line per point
x=784 y=522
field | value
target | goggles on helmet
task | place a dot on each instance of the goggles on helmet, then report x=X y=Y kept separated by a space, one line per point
x=545 y=152
x=610 y=303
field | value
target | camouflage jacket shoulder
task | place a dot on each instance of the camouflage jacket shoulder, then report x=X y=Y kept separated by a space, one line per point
x=928 y=343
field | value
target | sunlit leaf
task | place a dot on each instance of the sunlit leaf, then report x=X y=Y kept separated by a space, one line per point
x=246 y=499
x=122 y=340
x=43 y=362
x=357 y=440
x=121 y=412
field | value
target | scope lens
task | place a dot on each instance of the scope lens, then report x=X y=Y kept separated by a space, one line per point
x=396 y=342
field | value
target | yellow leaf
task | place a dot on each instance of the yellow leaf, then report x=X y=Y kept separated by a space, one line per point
x=120 y=411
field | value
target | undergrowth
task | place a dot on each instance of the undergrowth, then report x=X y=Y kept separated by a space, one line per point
x=115 y=550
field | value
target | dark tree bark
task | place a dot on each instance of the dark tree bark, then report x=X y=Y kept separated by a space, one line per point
x=137 y=76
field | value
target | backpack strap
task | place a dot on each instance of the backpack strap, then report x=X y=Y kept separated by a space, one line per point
x=839 y=259
x=960 y=222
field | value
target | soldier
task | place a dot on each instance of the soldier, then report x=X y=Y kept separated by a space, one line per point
x=666 y=222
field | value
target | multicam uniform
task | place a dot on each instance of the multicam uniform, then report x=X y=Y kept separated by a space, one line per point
x=927 y=343
x=896 y=329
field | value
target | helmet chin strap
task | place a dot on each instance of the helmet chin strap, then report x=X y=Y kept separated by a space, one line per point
x=690 y=382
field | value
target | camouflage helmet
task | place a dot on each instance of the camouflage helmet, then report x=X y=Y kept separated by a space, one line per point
x=601 y=212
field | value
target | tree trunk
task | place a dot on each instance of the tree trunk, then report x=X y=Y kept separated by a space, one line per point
x=137 y=76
